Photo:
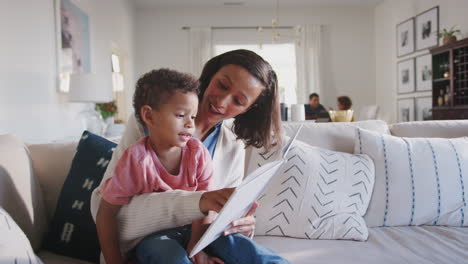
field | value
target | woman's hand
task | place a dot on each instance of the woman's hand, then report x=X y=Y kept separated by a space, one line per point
x=244 y=225
x=203 y=258
x=215 y=200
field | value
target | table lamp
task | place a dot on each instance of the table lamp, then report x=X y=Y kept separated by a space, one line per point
x=91 y=88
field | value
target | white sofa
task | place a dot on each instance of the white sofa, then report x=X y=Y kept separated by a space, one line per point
x=31 y=177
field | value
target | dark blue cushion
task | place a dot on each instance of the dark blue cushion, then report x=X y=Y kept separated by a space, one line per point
x=72 y=231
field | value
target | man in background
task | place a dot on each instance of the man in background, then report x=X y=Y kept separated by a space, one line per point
x=314 y=109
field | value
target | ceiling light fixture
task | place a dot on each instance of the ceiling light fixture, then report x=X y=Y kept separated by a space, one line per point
x=276 y=35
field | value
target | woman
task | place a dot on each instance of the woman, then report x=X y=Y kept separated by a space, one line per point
x=238 y=84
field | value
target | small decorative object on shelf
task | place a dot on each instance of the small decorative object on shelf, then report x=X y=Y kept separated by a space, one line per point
x=450 y=80
x=440 y=100
x=448 y=36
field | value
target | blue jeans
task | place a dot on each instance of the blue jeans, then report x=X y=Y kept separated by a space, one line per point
x=168 y=246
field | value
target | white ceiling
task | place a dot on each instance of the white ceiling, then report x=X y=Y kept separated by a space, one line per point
x=255 y=3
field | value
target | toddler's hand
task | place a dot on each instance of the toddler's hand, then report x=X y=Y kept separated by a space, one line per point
x=214 y=200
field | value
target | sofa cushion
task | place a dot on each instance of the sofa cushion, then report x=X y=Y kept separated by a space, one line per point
x=20 y=194
x=386 y=245
x=14 y=245
x=51 y=163
x=442 y=129
x=418 y=180
x=320 y=194
x=72 y=231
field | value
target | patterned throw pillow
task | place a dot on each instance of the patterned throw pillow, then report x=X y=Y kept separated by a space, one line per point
x=418 y=180
x=320 y=194
x=14 y=245
x=73 y=232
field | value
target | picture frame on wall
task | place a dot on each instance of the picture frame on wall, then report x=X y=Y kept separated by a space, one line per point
x=73 y=42
x=423 y=108
x=405 y=37
x=406 y=74
x=424 y=73
x=405 y=110
x=427 y=28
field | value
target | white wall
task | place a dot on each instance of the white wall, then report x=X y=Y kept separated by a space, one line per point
x=30 y=106
x=349 y=60
x=387 y=15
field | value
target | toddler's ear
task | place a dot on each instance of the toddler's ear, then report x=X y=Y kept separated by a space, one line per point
x=146 y=113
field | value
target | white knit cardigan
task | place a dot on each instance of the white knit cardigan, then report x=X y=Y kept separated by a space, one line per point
x=151 y=212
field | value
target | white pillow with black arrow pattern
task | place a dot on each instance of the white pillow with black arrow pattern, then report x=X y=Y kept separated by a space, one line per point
x=320 y=194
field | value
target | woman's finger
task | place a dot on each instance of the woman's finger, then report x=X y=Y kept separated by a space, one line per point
x=252 y=209
x=216 y=260
x=244 y=221
x=245 y=230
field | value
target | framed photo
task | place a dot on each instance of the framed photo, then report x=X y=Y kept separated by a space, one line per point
x=424 y=73
x=73 y=42
x=405 y=37
x=423 y=108
x=427 y=28
x=406 y=76
x=405 y=110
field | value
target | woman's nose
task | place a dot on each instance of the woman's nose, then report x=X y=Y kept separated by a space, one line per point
x=222 y=101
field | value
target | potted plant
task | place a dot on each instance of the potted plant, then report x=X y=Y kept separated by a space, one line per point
x=107 y=110
x=448 y=36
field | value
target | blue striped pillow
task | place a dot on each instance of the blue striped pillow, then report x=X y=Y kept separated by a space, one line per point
x=417 y=180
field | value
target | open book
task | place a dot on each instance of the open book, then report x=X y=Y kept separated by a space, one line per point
x=243 y=197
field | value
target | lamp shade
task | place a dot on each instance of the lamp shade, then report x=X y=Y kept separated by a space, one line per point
x=90 y=87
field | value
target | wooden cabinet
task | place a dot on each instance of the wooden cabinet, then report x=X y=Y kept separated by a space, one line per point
x=450 y=81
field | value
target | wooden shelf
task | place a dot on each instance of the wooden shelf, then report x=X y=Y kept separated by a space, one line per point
x=455 y=85
x=441 y=80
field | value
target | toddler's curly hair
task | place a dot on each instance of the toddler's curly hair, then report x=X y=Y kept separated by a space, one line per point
x=157 y=86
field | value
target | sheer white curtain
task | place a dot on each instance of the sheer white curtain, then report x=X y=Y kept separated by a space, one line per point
x=308 y=63
x=200 y=48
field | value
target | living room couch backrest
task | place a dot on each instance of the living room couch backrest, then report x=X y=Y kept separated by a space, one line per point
x=20 y=192
x=439 y=128
x=338 y=136
x=51 y=163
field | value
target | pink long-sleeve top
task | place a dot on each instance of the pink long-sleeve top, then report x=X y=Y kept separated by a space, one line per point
x=140 y=171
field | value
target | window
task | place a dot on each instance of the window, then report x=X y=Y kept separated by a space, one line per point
x=118 y=88
x=281 y=56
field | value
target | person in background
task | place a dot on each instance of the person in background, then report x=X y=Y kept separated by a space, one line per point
x=344 y=103
x=314 y=109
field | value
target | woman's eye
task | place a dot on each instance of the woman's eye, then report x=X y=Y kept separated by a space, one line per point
x=179 y=115
x=238 y=102
x=193 y=117
x=222 y=86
